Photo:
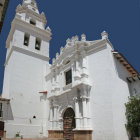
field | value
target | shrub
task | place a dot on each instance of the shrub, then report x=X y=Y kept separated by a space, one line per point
x=133 y=116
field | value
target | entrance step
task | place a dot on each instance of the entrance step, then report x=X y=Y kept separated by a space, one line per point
x=25 y=139
x=32 y=139
x=54 y=139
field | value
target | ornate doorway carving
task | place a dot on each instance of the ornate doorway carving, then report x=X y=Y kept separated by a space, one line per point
x=69 y=124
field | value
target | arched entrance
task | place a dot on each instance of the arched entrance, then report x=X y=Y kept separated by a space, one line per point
x=68 y=124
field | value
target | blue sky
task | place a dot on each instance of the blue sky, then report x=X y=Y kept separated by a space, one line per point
x=67 y=18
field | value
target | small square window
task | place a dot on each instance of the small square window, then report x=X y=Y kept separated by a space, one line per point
x=68 y=77
x=37 y=44
x=26 y=39
x=32 y=22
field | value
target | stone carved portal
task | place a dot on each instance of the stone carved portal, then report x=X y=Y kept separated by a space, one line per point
x=69 y=124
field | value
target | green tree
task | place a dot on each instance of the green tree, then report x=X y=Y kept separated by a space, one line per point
x=133 y=116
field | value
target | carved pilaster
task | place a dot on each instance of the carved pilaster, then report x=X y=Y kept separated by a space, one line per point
x=84 y=105
x=57 y=87
x=89 y=113
x=76 y=72
x=77 y=112
x=51 y=118
x=84 y=74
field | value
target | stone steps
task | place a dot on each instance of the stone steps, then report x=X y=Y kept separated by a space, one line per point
x=25 y=138
x=31 y=139
x=54 y=139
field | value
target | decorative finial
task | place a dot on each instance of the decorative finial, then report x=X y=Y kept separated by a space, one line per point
x=48 y=29
x=83 y=37
x=73 y=39
x=53 y=60
x=104 y=35
x=76 y=38
x=57 y=55
x=44 y=17
x=19 y=7
x=61 y=50
x=68 y=41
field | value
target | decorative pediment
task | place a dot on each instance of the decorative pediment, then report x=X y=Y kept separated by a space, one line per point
x=72 y=47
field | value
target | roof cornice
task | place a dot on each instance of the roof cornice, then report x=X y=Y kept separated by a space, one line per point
x=27 y=52
x=133 y=78
x=125 y=63
x=4 y=99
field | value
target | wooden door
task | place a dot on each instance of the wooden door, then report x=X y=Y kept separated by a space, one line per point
x=1 y=129
x=69 y=124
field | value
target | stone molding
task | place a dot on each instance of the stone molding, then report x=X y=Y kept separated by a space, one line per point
x=27 y=52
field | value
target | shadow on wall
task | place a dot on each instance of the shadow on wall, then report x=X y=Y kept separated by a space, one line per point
x=8 y=114
x=43 y=97
x=122 y=72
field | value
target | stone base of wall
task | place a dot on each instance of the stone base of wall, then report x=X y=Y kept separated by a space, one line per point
x=136 y=138
x=2 y=134
x=82 y=135
x=78 y=134
x=56 y=134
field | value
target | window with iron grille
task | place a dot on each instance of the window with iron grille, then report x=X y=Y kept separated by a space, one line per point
x=68 y=77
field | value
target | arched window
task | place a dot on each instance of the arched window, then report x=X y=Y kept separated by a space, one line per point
x=26 y=39
x=37 y=44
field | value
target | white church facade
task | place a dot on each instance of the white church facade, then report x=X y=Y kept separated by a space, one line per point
x=80 y=96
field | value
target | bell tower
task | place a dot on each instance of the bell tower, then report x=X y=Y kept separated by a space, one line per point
x=27 y=63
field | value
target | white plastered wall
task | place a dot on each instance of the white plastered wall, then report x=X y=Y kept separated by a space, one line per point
x=109 y=92
x=25 y=80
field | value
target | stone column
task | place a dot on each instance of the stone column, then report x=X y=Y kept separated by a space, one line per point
x=51 y=118
x=53 y=86
x=57 y=87
x=53 y=121
x=56 y=76
x=55 y=116
x=89 y=114
x=77 y=113
x=84 y=64
x=77 y=75
x=84 y=104
x=84 y=68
